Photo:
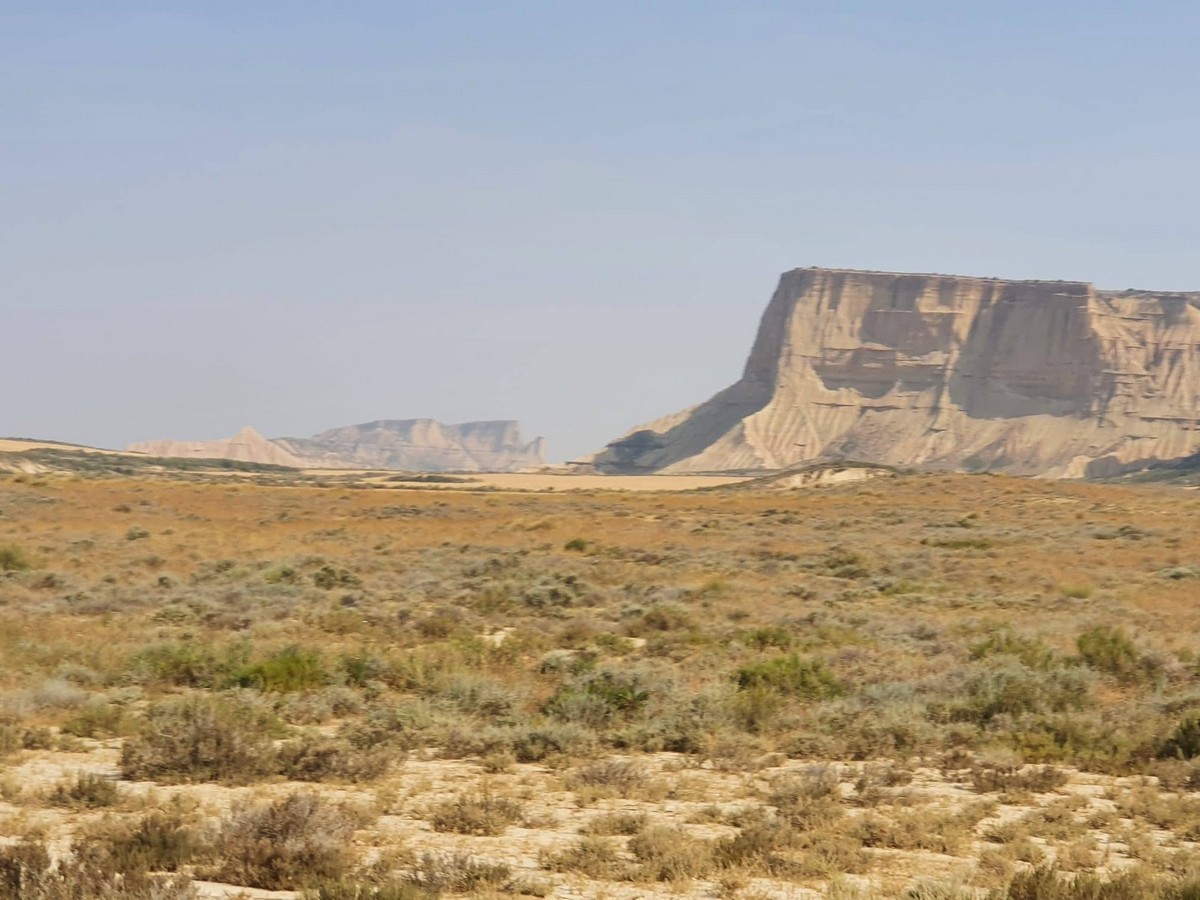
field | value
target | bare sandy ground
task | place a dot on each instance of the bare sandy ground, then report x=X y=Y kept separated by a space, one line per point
x=521 y=481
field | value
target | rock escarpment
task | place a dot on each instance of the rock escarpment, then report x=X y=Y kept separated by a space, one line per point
x=1029 y=377
x=420 y=445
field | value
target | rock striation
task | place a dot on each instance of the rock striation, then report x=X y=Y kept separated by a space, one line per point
x=1052 y=378
x=417 y=445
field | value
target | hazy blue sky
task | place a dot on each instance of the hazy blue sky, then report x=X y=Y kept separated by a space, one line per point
x=298 y=214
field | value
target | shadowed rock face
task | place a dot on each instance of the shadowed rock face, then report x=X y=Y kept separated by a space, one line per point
x=415 y=445
x=1030 y=377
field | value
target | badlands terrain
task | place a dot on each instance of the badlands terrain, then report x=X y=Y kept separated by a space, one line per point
x=1051 y=378
x=249 y=680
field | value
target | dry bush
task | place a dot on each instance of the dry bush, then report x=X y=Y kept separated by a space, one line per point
x=593 y=857
x=620 y=776
x=85 y=791
x=355 y=887
x=27 y=873
x=625 y=823
x=480 y=814
x=315 y=758
x=163 y=841
x=200 y=738
x=811 y=800
x=285 y=844
x=922 y=829
x=670 y=854
x=1049 y=883
x=459 y=873
x=1036 y=779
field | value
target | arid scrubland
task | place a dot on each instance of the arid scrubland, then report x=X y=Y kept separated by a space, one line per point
x=915 y=686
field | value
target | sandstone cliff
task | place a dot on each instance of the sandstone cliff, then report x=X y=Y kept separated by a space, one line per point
x=420 y=445
x=1029 y=377
x=245 y=446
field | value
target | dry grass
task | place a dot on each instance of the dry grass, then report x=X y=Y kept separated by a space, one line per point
x=931 y=683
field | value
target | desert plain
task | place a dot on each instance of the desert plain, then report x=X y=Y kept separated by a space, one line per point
x=299 y=685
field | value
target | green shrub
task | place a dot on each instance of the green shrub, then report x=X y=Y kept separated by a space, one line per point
x=1003 y=685
x=95 y=720
x=597 y=699
x=1185 y=742
x=1030 y=650
x=792 y=675
x=1112 y=651
x=190 y=664
x=13 y=559
x=327 y=578
x=290 y=669
x=768 y=636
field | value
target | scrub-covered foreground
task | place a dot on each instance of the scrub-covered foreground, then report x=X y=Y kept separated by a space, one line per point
x=945 y=685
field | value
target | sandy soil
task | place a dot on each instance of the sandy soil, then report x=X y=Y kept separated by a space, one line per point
x=521 y=481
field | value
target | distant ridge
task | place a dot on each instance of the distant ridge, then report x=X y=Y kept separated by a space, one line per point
x=415 y=445
x=245 y=446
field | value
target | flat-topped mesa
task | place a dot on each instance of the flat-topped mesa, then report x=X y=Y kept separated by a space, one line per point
x=1031 y=377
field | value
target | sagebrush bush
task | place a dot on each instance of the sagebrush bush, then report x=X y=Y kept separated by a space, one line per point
x=479 y=814
x=86 y=790
x=27 y=873
x=314 y=758
x=670 y=854
x=459 y=873
x=356 y=887
x=285 y=844
x=201 y=738
x=163 y=841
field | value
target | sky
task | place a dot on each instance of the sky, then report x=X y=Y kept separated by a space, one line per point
x=298 y=215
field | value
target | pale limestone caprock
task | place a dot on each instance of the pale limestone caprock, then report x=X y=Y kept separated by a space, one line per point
x=1049 y=378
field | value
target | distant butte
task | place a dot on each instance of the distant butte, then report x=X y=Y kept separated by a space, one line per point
x=415 y=445
x=1051 y=378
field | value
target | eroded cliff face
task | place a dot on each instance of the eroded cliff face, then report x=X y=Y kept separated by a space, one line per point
x=415 y=445
x=1029 y=377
